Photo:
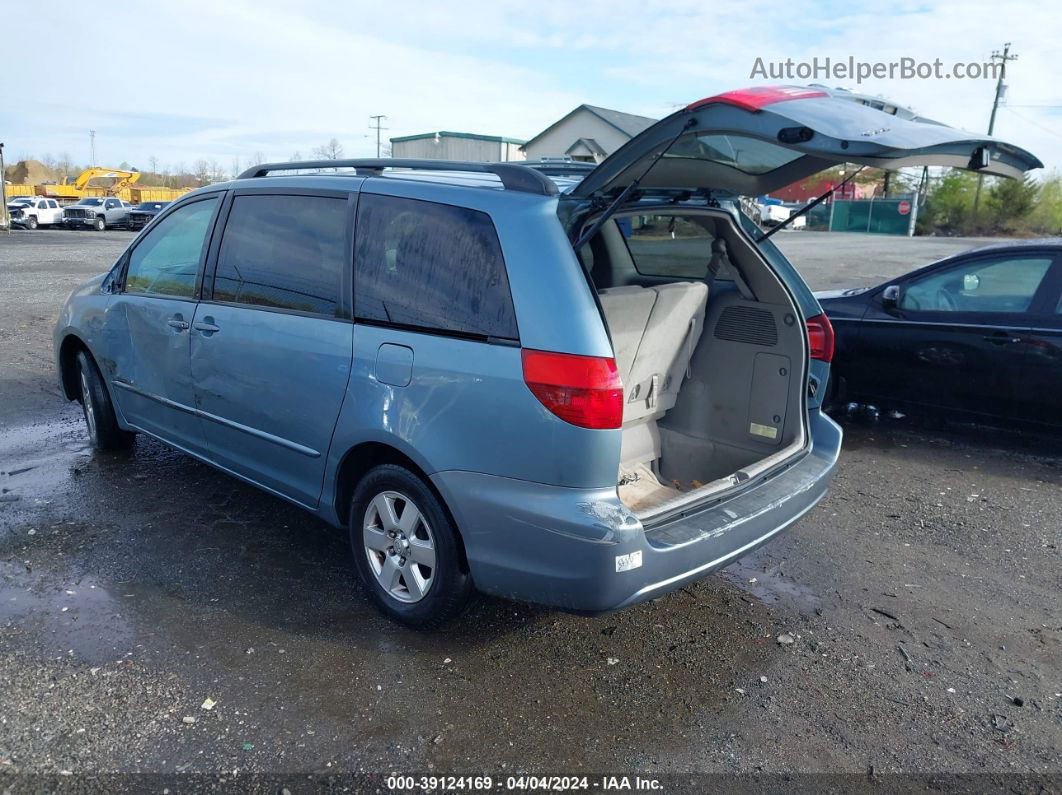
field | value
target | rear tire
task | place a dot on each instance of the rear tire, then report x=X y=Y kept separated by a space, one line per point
x=100 y=224
x=406 y=549
x=103 y=429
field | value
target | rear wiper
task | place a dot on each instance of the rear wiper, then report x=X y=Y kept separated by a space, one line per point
x=627 y=191
x=809 y=206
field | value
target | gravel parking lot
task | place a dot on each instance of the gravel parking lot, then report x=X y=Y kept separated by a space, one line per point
x=921 y=596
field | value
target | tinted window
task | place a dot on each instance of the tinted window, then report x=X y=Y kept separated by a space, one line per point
x=987 y=285
x=165 y=262
x=668 y=245
x=287 y=252
x=431 y=266
x=750 y=155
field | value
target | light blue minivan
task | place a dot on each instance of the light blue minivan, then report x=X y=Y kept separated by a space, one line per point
x=582 y=386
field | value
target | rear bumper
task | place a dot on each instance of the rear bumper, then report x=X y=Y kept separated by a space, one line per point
x=583 y=550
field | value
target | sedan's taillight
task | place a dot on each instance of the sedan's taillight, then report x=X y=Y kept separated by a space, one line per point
x=583 y=390
x=820 y=338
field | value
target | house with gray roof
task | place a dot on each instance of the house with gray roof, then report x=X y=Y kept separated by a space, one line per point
x=588 y=133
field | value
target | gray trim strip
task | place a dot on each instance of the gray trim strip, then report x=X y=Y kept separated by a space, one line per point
x=278 y=440
x=1012 y=327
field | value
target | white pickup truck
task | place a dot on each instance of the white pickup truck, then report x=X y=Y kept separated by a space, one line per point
x=34 y=211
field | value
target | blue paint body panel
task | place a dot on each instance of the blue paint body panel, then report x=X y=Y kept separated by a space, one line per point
x=279 y=398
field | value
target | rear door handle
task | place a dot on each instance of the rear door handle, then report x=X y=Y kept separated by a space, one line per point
x=206 y=326
x=1003 y=338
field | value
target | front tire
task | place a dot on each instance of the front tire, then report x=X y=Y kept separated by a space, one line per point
x=406 y=549
x=103 y=429
x=100 y=224
x=31 y=222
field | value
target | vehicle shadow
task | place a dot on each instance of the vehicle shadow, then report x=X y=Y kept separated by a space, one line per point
x=865 y=427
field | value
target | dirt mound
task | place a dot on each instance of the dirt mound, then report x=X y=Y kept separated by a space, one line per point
x=29 y=172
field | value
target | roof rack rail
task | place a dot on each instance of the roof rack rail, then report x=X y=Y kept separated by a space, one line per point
x=560 y=168
x=513 y=176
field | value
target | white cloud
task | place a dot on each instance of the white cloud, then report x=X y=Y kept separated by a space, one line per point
x=228 y=78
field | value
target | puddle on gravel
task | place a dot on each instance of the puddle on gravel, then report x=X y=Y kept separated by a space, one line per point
x=770 y=586
x=38 y=460
x=79 y=618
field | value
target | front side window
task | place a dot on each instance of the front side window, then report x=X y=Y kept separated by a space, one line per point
x=166 y=261
x=431 y=266
x=668 y=245
x=988 y=285
x=285 y=252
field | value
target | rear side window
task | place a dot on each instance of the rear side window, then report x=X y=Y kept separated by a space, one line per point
x=286 y=252
x=668 y=245
x=430 y=266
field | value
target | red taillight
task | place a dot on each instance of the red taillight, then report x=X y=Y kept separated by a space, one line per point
x=820 y=338
x=583 y=390
x=758 y=97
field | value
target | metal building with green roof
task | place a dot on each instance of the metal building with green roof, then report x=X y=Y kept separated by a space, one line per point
x=446 y=145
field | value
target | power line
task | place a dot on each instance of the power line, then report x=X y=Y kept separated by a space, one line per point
x=1026 y=119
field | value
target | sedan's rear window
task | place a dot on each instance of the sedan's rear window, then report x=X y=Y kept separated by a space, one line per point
x=431 y=266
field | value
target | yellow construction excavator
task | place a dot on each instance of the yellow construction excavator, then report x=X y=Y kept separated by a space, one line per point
x=122 y=179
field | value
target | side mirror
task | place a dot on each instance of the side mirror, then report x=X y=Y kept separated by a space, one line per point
x=890 y=299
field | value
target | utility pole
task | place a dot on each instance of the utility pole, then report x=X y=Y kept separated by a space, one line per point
x=92 y=147
x=377 y=127
x=3 y=192
x=1001 y=58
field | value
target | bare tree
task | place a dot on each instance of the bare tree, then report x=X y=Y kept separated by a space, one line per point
x=154 y=163
x=217 y=173
x=201 y=172
x=64 y=166
x=333 y=150
x=296 y=156
x=235 y=167
x=257 y=159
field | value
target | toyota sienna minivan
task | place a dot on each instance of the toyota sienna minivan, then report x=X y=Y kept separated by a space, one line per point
x=579 y=386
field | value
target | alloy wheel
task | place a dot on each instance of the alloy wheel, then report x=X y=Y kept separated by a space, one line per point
x=86 y=403
x=400 y=546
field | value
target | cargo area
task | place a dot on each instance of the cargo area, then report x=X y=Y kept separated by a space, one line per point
x=711 y=350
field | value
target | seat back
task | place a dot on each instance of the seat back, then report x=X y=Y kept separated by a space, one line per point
x=627 y=311
x=670 y=337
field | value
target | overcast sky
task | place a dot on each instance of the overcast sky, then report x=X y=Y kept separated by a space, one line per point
x=224 y=79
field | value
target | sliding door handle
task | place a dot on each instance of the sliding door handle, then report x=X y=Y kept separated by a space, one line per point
x=206 y=326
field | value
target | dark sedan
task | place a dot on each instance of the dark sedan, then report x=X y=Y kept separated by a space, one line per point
x=141 y=215
x=978 y=336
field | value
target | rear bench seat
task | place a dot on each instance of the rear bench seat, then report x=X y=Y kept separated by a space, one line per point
x=654 y=332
